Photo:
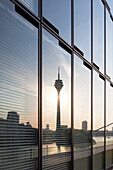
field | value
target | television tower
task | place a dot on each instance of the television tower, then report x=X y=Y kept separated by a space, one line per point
x=58 y=85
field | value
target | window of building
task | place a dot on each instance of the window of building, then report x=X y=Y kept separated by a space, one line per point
x=98 y=122
x=56 y=105
x=58 y=13
x=18 y=90
x=32 y=5
x=98 y=34
x=109 y=46
x=109 y=123
x=82 y=26
x=82 y=115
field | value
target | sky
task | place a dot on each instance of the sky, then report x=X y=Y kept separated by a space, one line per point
x=109 y=46
x=32 y=5
x=18 y=77
x=59 y=14
x=82 y=94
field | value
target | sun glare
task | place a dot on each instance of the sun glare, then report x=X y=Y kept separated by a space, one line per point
x=53 y=98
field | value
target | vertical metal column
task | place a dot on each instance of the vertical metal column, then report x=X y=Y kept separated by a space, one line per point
x=92 y=119
x=105 y=87
x=40 y=86
x=72 y=110
x=72 y=85
x=92 y=85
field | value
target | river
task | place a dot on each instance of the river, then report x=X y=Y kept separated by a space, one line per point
x=51 y=149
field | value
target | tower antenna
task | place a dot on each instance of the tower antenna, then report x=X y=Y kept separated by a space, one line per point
x=58 y=73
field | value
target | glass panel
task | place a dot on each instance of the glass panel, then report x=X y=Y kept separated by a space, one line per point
x=98 y=34
x=58 y=13
x=18 y=91
x=56 y=105
x=82 y=116
x=82 y=31
x=98 y=123
x=109 y=128
x=32 y=5
x=109 y=46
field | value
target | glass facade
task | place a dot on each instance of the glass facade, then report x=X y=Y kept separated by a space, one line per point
x=32 y=5
x=58 y=13
x=82 y=26
x=82 y=115
x=56 y=89
x=18 y=90
x=109 y=49
x=98 y=34
x=109 y=129
x=56 y=101
x=98 y=122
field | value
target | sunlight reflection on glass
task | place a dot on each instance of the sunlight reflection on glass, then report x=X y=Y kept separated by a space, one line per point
x=56 y=100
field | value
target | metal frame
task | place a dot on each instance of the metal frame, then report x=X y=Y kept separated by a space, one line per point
x=40 y=85
x=72 y=85
x=105 y=87
x=40 y=23
x=92 y=85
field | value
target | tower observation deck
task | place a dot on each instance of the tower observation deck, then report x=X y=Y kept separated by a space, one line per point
x=58 y=85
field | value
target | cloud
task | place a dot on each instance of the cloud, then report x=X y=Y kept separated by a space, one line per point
x=62 y=55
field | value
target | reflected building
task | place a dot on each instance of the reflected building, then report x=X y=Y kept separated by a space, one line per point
x=47 y=126
x=19 y=140
x=84 y=125
x=13 y=117
x=23 y=132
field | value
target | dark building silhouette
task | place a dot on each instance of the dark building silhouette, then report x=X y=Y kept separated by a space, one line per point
x=64 y=127
x=47 y=126
x=84 y=126
x=18 y=140
x=58 y=85
x=13 y=117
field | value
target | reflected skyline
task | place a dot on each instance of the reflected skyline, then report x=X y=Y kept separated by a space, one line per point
x=12 y=122
x=19 y=141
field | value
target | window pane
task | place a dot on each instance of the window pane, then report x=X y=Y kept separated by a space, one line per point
x=58 y=12
x=109 y=46
x=109 y=129
x=82 y=116
x=32 y=5
x=98 y=35
x=56 y=105
x=18 y=90
x=82 y=30
x=98 y=122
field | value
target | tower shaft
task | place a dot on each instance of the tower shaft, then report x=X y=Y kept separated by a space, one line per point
x=58 y=85
x=58 y=125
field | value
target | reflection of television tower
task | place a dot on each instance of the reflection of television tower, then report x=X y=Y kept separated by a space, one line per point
x=58 y=85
